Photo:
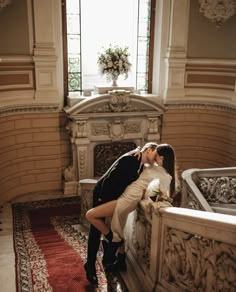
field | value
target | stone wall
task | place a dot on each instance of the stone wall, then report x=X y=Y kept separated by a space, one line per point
x=202 y=137
x=34 y=150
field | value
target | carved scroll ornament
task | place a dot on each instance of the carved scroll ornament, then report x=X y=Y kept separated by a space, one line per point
x=4 y=3
x=69 y=174
x=218 y=189
x=192 y=203
x=142 y=237
x=153 y=125
x=194 y=263
x=119 y=100
x=218 y=11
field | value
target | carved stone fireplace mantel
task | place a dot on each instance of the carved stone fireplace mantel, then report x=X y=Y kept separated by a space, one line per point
x=117 y=118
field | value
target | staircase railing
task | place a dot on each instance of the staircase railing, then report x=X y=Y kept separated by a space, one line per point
x=179 y=249
x=212 y=190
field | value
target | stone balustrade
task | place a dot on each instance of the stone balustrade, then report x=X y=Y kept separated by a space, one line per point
x=212 y=190
x=179 y=249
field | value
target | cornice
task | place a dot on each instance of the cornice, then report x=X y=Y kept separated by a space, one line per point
x=217 y=107
x=29 y=108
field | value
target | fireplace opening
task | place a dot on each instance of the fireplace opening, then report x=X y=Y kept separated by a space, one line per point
x=105 y=154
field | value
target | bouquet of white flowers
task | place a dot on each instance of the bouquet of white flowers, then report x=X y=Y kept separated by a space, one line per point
x=153 y=188
x=153 y=191
x=114 y=62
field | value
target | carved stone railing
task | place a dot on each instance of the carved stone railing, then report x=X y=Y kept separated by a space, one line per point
x=178 y=249
x=212 y=190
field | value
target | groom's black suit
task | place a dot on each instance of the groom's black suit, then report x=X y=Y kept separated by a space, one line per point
x=110 y=186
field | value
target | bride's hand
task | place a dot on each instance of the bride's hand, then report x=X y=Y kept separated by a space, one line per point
x=137 y=152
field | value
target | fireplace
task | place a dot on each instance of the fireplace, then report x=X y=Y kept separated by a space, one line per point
x=106 y=154
x=103 y=127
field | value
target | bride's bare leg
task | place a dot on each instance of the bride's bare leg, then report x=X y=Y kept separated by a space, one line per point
x=95 y=216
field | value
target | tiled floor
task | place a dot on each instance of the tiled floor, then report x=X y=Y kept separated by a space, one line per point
x=7 y=257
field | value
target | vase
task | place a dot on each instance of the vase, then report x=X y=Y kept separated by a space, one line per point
x=114 y=81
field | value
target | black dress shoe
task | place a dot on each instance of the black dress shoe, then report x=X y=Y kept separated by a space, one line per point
x=110 y=254
x=91 y=274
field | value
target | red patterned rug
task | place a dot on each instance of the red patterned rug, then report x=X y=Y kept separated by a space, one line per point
x=50 y=253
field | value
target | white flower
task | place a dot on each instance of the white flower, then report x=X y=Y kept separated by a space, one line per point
x=153 y=188
x=114 y=62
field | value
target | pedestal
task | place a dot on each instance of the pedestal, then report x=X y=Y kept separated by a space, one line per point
x=86 y=194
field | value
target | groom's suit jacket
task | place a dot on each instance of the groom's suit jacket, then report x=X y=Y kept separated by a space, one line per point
x=122 y=172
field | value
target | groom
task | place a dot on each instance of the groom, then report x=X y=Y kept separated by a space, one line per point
x=110 y=186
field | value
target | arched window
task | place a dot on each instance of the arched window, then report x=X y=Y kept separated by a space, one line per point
x=89 y=26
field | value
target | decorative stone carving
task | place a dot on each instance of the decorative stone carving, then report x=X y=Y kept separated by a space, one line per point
x=100 y=129
x=113 y=129
x=105 y=154
x=29 y=108
x=142 y=237
x=116 y=130
x=82 y=160
x=216 y=107
x=77 y=129
x=71 y=129
x=86 y=203
x=192 y=202
x=69 y=174
x=107 y=119
x=153 y=125
x=218 y=189
x=81 y=128
x=132 y=127
x=119 y=100
x=218 y=11
x=194 y=263
x=86 y=187
x=4 y=3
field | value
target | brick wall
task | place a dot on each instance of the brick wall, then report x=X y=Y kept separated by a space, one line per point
x=202 y=138
x=34 y=151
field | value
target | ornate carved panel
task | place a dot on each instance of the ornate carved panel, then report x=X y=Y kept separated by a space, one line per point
x=194 y=263
x=192 y=202
x=103 y=127
x=142 y=238
x=218 y=189
x=218 y=11
x=106 y=154
x=82 y=161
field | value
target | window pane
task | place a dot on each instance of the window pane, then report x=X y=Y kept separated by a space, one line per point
x=93 y=26
x=143 y=44
x=74 y=81
x=142 y=81
x=73 y=45
x=109 y=26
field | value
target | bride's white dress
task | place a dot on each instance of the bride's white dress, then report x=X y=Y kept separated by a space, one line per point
x=128 y=201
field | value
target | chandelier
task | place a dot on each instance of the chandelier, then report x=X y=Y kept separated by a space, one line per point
x=4 y=3
x=218 y=11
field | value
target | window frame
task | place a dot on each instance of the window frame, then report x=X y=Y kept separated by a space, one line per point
x=65 y=50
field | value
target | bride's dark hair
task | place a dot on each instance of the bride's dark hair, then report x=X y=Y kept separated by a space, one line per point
x=168 y=154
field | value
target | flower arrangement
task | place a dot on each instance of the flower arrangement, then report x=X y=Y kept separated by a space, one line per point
x=114 y=62
x=153 y=188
